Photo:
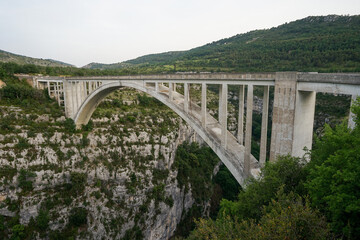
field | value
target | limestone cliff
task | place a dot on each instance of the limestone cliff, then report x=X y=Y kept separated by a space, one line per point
x=117 y=173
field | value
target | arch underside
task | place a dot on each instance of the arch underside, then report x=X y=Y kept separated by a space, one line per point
x=232 y=156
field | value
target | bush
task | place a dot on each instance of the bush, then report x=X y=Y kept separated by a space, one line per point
x=286 y=217
x=18 y=91
x=78 y=181
x=78 y=216
x=18 y=232
x=24 y=180
x=287 y=172
x=69 y=125
x=42 y=220
x=22 y=144
x=334 y=184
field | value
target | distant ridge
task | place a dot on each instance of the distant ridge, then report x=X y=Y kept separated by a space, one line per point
x=314 y=43
x=147 y=59
x=94 y=65
x=19 y=59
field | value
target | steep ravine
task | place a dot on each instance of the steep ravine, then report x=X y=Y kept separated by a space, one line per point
x=111 y=180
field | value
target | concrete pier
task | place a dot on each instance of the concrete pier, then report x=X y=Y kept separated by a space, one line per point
x=203 y=104
x=240 y=132
x=170 y=91
x=264 y=126
x=186 y=97
x=248 y=130
x=223 y=113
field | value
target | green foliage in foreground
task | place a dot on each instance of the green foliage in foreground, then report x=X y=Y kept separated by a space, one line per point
x=288 y=173
x=291 y=199
x=334 y=178
x=287 y=217
x=269 y=208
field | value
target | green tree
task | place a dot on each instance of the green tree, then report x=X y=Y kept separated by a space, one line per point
x=334 y=177
x=18 y=232
x=69 y=125
x=24 y=180
x=78 y=216
x=42 y=220
x=286 y=217
x=287 y=172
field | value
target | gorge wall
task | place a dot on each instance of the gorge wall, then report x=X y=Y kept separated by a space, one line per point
x=111 y=180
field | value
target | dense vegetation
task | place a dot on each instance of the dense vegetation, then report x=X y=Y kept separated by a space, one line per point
x=10 y=57
x=294 y=200
x=322 y=44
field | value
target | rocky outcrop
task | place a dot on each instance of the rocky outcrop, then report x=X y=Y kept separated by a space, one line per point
x=129 y=184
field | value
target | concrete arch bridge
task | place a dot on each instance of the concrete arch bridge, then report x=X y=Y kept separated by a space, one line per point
x=292 y=119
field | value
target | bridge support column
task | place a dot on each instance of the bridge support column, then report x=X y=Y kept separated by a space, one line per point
x=156 y=87
x=186 y=97
x=48 y=86
x=203 y=105
x=170 y=91
x=351 y=122
x=240 y=132
x=304 y=122
x=82 y=91
x=68 y=99
x=248 y=130
x=78 y=94
x=90 y=87
x=223 y=113
x=264 y=126
x=293 y=117
x=58 y=93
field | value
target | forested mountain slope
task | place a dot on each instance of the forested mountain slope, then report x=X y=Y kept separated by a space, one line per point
x=317 y=43
x=11 y=57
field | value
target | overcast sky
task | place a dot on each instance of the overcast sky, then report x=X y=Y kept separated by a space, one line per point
x=109 y=31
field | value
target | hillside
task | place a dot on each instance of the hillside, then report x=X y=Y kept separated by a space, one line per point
x=317 y=43
x=95 y=65
x=129 y=174
x=147 y=59
x=10 y=57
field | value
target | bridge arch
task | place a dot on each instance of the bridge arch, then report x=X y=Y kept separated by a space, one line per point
x=234 y=163
x=292 y=108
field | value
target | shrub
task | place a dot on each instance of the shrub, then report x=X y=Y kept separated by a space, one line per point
x=69 y=125
x=78 y=216
x=286 y=217
x=42 y=220
x=78 y=181
x=24 y=180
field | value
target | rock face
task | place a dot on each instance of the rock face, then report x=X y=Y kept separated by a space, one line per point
x=2 y=84
x=120 y=172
